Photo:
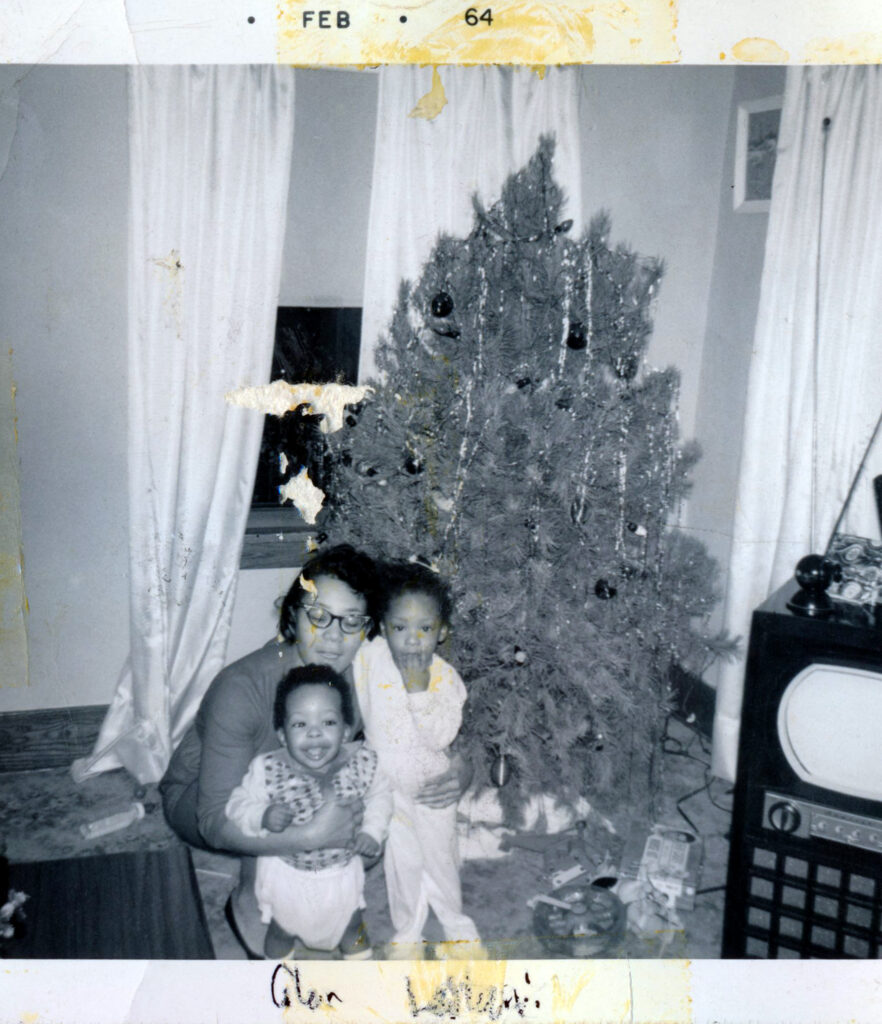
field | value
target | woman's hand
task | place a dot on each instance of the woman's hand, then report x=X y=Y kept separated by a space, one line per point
x=446 y=789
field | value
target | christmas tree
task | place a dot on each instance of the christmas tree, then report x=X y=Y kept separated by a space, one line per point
x=517 y=441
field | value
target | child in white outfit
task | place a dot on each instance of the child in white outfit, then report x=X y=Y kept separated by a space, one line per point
x=411 y=701
x=316 y=895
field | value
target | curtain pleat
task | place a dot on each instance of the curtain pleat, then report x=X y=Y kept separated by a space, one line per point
x=210 y=155
x=815 y=385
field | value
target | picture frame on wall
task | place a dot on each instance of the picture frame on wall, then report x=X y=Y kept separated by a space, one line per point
x=756 y=147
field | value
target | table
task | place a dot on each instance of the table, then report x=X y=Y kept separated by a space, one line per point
x=128 y=906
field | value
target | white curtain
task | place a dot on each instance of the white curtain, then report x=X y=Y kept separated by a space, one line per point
x=426 y=170
x=812 y=405
x=210 y=152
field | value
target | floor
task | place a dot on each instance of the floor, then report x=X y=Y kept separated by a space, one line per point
x=41 y=811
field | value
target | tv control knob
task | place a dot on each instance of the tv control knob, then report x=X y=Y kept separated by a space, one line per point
x=784 y=816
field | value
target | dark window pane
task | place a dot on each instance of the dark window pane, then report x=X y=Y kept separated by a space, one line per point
x=313 y=345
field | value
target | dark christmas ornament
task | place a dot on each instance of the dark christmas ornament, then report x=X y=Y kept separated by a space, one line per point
x=413 y=464
x=351 y=420
x=442 y=305
x=524 y=382
x=366 y=469
x=500 y=771
x=563 y=227
x=577 y=339
x=604 y=590
x=626 y=367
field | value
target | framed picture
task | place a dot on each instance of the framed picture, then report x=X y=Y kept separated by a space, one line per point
x=756 y=146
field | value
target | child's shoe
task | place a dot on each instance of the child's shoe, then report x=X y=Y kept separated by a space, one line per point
x=278 y=945
x=356 y=943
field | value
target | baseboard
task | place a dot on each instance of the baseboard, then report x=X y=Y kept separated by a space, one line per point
x=48 y=738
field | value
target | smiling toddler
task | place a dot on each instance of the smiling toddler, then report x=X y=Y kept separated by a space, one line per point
x=315 y=896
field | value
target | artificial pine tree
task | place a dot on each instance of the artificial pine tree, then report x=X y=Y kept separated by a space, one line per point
x=517 y=440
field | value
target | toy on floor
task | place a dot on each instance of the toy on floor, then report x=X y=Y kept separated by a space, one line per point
x=11 y=903
x=579 y=919
x=562 y=852
x=580 y=916
x=659 y=874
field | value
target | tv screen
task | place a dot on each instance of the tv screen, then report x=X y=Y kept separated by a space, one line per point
x=830 y=729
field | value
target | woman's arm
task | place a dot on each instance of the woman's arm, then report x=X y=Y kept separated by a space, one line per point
x=245 y=809
x=334 y=825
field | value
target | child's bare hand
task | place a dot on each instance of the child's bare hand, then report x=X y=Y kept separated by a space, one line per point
x=277 y=817
x=366 y=845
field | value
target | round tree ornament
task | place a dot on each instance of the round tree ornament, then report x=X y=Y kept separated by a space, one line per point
x=500 y=771
x=577 y=339
x=442 y=305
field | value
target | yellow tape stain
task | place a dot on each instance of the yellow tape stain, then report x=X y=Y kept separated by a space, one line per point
x=529 y=32
x=862 y=48
x=434 y=101
x=30 y=1018
x=448 y=985
x=563 y=1000
x=328 y=401
x=13 y=599
x=173 y=270
x=755 y=49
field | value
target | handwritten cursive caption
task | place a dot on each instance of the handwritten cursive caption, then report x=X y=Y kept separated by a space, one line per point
x=288 y=989
x=452 y=999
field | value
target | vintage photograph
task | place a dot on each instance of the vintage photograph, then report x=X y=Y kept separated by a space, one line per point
x=436 y=523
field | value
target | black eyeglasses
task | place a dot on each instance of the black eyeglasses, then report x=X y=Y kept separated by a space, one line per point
x=321 y=618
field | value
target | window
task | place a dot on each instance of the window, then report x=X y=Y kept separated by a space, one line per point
x=315 y=345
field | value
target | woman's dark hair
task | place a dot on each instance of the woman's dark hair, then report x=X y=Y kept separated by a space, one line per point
x=344 y=563
x=311 y=675
x=399 y=578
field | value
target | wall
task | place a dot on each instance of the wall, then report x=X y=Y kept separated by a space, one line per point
x=734 y=300
x=63 y=202
x=652 y=156
x=335 y=118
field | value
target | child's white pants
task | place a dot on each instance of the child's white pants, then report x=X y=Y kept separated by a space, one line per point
x=422 y=871
x=316 y=906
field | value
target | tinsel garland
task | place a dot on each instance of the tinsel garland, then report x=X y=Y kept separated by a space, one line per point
x=515 y=457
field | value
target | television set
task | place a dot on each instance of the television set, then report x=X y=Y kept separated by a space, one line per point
x=805 y=861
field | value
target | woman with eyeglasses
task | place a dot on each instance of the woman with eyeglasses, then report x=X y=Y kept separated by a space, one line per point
x=326 y=614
